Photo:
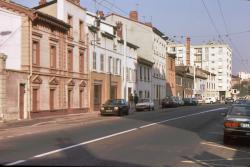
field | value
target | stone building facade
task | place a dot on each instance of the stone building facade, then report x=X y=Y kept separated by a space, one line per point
x=50 y=74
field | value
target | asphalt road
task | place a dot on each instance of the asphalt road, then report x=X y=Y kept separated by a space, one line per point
x=185 y=136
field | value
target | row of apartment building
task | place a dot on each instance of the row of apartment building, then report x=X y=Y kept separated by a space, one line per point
x=215 y=59
x=60 y=58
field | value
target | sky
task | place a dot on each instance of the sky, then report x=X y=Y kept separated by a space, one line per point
x=202 y=20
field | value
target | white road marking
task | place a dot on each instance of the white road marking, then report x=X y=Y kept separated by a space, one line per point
x=116 y=134
x=84 y=143
x=15 y=163
x=223 y=147
x=218 y=146
x=198 y=162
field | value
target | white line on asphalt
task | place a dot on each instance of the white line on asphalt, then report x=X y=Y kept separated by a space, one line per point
x=198 y=162
x=119 y=133
x=185 y=116
x=84 y=143
x=218 y=146
x=15 y=163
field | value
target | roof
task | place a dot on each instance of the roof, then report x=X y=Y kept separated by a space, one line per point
x=128 y=19
x=35 y=15
x=55 y=1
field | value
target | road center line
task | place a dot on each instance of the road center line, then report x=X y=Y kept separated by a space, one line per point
x=113 y=135
x=15 y=163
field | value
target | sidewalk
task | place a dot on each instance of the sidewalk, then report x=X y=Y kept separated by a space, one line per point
x=44 y=120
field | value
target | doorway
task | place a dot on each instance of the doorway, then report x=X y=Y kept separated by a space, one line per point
x=21 y=101
x=97 y=97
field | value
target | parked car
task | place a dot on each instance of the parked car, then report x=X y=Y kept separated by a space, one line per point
x=115 y=107
x=169 y=101
x=201 y=101
x=241 y=101
x=210 y=100
x=180 y=101
x=145 y=104
x=237 y=123
x=229 y=100
x=190 y=101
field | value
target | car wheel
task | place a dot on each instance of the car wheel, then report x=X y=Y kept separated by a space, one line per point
x=127 y=112
x=119 y=113
x=226 y=139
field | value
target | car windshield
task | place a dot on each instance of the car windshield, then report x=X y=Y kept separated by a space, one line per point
x=240 y=110
x=114 y=102
x=144 y=100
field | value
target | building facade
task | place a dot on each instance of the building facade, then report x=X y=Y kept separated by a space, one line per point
x=213 y=57
x=50 y=66
x=151 y=55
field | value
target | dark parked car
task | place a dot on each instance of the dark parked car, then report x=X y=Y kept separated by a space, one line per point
x=170 y=101
x=237 y=123
x=190 y=101
x=115 y=107
x=229 y=100
x=241 y=101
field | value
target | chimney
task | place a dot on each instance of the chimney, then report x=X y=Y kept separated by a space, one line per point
x=188 y=51
x=42 y=2
x=100 y=14
x=119 y=29
x=133 y=15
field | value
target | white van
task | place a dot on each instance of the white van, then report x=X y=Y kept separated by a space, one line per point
x=210 y=100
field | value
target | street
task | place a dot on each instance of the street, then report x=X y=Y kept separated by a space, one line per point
x=184 y=136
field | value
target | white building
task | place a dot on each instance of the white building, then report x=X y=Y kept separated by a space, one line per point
x=244 y=75
x=112 y=74
x=213 y=57
x=151 y=55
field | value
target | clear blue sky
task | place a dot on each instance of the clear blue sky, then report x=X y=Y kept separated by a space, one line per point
x=178 y=18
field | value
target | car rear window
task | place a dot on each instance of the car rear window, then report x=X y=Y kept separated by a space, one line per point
x=240 y=110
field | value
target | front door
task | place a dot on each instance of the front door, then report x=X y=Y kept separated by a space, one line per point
x=21 y=101
x=34 y=100
x=69 y=99
x=51 y=98
x=97 y=97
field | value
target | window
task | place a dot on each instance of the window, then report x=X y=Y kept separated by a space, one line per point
x=81 y=61
x=53 y=56
x=110 y=63
x=114 y=66
x=94 y=60
x=145 y=74
x=140 y=72
x=70 y=60
x=148 y=75
x=81 y=31
x=70 y=22
x=35 y=52
x=102 y=62
x=117 y=66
